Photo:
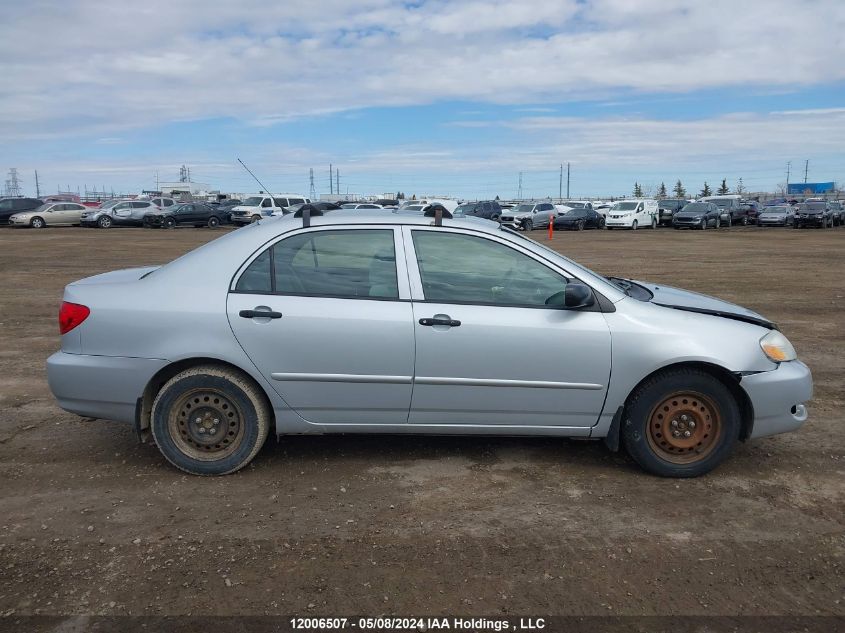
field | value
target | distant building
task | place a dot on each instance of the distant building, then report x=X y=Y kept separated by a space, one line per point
x=178 y=188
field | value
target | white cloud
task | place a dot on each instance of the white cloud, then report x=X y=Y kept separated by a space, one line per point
x=87 y=67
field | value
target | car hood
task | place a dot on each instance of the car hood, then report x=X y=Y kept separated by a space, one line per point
x=518 y=214
x=690 y=214
x=680 y=299
x=773 y=216
x=116 y=276
x=570 y=218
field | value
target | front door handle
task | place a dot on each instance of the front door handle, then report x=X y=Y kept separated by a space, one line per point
x=259 y=314
x=440 y=321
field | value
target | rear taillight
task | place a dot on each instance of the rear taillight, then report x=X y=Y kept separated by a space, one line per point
x=71 y=315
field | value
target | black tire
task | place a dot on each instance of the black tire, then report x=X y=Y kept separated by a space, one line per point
x=683 y=392
x=634 y=225
x=580 y=225
x=255 y=218
x=169 y=223
x=654 y=223
x=495 y=217
x=213 y=222
x=703 y=225
x=601 y=223
x=528 y=225
x=37 y=223
x=230 y=408
x=104 y=222
x=744 y=220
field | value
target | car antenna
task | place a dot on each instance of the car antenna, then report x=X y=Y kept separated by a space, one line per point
x=272 y=197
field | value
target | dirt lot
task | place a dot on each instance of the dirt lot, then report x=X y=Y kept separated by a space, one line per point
x=93 y=523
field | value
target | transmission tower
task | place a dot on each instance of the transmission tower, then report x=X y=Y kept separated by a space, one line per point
x=13 y=184
x=313 y=191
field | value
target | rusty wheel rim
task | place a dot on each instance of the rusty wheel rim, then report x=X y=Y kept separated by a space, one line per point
x=206 y=425
x=684 y=427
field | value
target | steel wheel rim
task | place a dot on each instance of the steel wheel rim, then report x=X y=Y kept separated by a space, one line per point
x=206 y=425
x=684 y=427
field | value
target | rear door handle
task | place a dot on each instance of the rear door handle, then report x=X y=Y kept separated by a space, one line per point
x=440 y=321
x=259 y=314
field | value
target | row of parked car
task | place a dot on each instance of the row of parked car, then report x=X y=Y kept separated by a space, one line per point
x=163 y=212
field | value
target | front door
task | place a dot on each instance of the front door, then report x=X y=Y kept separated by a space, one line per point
x=326 y=317
x=489 y=350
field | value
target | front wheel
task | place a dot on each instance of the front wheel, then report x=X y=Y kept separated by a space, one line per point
x=634 y=226
x=654 y=223
x=210 y=420
x=745 y=220
x=213 y=222
x=528 y=225
x=600 y=223
x=169 y=223
x=37 y=223
x=580 y=226
x=681 y=423
x=703 y=224
x=104 y=222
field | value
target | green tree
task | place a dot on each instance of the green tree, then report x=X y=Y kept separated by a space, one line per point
x=638 y=190
x=740 y=188
x=661 y=193
x=706 y=191
x=679 y=190
x=723 y=188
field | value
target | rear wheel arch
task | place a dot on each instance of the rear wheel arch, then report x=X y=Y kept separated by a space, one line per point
x=725 y=376
x=145 y=402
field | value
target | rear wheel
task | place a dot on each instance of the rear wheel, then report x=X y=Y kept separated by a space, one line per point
x=653 y=223
x=745 y=220
x=681 y=423
x=37 y=223
x=210 y=420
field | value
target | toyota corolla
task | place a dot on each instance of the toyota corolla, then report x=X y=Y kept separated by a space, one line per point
x=359 y=322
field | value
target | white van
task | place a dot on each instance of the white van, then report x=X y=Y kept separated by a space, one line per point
x=632 y=214
x=262 y=205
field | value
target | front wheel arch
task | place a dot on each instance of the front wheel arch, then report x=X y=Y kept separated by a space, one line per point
x=144 y=407
x=725 y=376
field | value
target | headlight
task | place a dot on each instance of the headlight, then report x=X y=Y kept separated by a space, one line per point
x=777 y=347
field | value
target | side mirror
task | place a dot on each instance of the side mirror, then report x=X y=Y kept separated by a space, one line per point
x=575 y=295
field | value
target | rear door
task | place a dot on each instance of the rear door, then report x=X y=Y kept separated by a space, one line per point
x=489 y=351
x=337 y=341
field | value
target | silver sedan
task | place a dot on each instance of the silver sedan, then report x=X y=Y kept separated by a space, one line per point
x=373 y=322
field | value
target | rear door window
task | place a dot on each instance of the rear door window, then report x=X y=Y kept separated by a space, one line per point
x=358 y=263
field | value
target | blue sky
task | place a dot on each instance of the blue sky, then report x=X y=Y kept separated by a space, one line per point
x=434 y=97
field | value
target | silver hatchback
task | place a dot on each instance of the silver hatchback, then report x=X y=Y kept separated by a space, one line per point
x=373 y=322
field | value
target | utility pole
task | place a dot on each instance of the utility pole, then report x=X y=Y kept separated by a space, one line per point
x=37 y=187
x=519 y=191
x=331 y=180
x=567 y=181
x=806 y=169
x=560 y=184
x=788 y=167
x=337 y=184
x=158 y=186
x=312 y=192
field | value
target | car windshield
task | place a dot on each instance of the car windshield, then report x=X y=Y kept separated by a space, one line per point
x=695 y=207
x=253 y=201
x=524 y=208
x=777 y=210
x=349 y=206
x=625 y=206
x=811 y=206
x=109 y=204
x=576 y=205
x=43 y=207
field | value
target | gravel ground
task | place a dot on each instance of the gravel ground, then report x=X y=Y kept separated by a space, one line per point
x=93 y=523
